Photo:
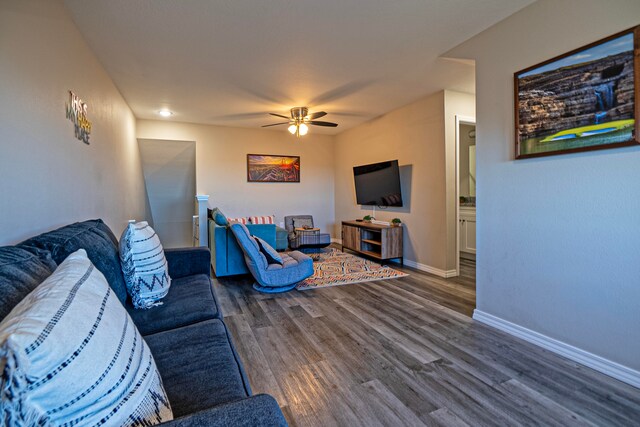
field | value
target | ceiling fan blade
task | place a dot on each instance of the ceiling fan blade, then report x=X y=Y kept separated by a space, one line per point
x=275 y=124
x=280 y=115
x=317 y=115
x=320 y=123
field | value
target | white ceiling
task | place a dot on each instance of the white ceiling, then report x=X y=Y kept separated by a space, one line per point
x=229 y=62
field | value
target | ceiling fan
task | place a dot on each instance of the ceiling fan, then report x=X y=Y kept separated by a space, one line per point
x=300 y=119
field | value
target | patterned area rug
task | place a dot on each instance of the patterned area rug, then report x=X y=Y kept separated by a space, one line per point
x=332 y=267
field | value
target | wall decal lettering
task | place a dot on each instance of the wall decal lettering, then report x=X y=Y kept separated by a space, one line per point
x=77 y=113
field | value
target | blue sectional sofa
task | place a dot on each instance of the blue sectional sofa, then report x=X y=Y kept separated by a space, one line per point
x=201 y=371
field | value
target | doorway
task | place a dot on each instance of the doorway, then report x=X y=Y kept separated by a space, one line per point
x=169 y=169
x=466 y=195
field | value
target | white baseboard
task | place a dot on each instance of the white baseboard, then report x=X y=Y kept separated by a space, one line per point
x=429 y=269
x=607 y=367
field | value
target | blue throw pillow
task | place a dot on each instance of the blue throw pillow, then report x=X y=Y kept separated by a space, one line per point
x=273 y=257
x=219 y=218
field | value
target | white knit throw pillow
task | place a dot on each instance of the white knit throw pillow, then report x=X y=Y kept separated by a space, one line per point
x=144 y=265
x=71 y=355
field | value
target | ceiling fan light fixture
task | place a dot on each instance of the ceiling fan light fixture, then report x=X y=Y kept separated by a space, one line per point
x=300 y=121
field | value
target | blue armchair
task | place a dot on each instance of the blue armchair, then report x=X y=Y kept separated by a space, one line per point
x=274 y=277
x=227 y=258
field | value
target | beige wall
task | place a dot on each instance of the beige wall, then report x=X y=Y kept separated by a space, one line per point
x=421 y=136
x=558 y=236
x=221 y=169
x=47 y=177
x=414 y=135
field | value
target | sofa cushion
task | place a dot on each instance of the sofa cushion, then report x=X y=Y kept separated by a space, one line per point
x=188 y=261
x=144 y=265
x=21 y=270
x=257 y=410
x=96 y=238
x=72 y=355
x=199 y=366
x=190 y=300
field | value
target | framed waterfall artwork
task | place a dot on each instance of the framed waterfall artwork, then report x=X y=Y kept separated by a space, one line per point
x=273 y=168
x=586 y=99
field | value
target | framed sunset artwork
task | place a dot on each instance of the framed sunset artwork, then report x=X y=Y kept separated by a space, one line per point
x=273 y=168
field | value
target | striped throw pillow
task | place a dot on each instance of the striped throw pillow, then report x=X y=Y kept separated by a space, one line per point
x=73 y=356
x=270 y=219
x=144 y=265
x=241 y=220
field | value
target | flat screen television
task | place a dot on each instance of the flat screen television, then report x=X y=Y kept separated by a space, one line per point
x=378 y=184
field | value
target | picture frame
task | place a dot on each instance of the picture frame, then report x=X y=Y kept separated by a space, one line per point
x=586 y=99
x=273 y=168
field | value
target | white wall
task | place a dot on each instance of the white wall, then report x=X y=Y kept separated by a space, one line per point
x=47 y=177
x=558 y=237
x=221 y=169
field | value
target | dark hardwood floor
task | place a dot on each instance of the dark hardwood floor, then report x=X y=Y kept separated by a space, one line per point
x=404 y=352
x=456 y=293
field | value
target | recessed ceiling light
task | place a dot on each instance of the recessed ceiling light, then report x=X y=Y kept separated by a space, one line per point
x=165 y=113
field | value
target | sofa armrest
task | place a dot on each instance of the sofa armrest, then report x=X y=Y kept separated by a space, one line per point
x=218 y=248
x=258 y=410
x=188 y=261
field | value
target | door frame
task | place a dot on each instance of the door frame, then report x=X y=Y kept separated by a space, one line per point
x=460 y=120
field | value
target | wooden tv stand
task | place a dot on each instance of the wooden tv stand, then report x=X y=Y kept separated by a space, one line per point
x=381 y=242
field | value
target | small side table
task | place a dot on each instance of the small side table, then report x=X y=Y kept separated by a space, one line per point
x=311 y=238
x=308 y=236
